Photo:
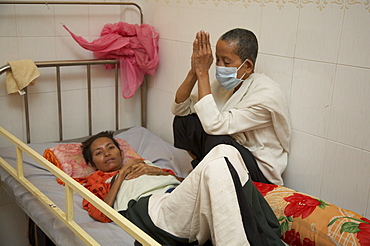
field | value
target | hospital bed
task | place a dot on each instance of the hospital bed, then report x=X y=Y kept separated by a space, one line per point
x=57 y=209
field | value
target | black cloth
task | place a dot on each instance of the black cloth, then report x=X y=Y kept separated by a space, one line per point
x=260 y=223
x=138 y=214
x=189 y=135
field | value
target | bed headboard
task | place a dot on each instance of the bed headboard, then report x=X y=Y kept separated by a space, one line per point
x=89 y=3
x=88 y=64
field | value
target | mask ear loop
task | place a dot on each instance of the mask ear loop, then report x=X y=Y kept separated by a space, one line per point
x=240 y=67
x=242 y=64
x=241 y=78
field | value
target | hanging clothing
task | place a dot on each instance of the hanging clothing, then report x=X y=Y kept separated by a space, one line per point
x=134 y=46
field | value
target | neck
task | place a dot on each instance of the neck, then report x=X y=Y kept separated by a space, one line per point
x=237 y=88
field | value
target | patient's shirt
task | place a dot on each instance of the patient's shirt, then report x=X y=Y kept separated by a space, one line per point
x=144 y=185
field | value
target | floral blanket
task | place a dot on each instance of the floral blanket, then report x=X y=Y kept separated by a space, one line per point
x=307 y=220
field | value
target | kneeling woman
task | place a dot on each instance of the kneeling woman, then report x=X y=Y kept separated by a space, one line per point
x=217 y=202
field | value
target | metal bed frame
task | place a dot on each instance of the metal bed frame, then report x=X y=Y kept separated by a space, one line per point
x=87 y=63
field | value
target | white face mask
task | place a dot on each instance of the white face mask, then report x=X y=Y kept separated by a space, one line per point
x=226 y=76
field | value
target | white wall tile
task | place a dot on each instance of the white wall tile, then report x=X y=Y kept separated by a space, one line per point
x=130 y=111
x=102 y=77
x=101 y=97
x=311 y=96
x=279 y=30
x=350 y=119
x=69 y=49
x=100 y=15
x=37 y=48
x=73 y=78
x=148 y=10
x=165 y=78
x=8 y=25
x=75 y=18
x=166 y=22
x=280 y=69
x=193 y=19
x=216 y=21
x=305 y=165
x=355 y=39
x=182 y=64
x=44 y=83
x=160 y=108
x=11 y=116
x=346 y=177
x=319 y=33
x=246 y=15
x=75 y=122
x=35 y=20
x=43 y=106
x=8 y=50
x=131 y=14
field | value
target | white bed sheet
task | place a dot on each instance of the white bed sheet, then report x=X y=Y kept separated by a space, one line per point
x=146 y=144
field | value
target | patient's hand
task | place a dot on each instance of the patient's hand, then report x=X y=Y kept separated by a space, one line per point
x=134 y=168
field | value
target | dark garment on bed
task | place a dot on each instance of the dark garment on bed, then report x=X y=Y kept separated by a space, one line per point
x=137 y=213
x=260 y=223
x=189 y=135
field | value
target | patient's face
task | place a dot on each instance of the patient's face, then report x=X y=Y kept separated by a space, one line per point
x=106 y=156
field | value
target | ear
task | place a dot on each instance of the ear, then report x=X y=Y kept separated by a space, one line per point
x=249 y=67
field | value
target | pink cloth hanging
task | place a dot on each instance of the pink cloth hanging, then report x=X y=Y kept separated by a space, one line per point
x=136 y=48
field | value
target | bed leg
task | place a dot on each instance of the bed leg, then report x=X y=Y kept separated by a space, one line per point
x=36 y=237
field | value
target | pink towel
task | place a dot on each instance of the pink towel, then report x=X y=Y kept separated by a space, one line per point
x=136 y=47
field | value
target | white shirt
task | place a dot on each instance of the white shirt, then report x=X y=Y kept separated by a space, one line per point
x=144 y=185
x=256 y=116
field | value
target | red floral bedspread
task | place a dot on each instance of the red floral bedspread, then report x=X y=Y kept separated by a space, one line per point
x=307 y=220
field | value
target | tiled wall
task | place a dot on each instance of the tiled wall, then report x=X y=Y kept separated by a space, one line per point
x=317 y=50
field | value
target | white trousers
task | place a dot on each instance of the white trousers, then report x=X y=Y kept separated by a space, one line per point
x=205 y=205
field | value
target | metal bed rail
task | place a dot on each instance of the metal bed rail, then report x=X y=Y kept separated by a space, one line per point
x=78 y=3
x=88 y=64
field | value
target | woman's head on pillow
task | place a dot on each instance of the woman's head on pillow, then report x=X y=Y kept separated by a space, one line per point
x=76 y=159
x=89 y=147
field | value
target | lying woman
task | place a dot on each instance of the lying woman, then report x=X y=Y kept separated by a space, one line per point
x=217 y=202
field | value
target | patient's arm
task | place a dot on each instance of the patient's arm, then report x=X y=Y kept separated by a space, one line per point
x=135 y=169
